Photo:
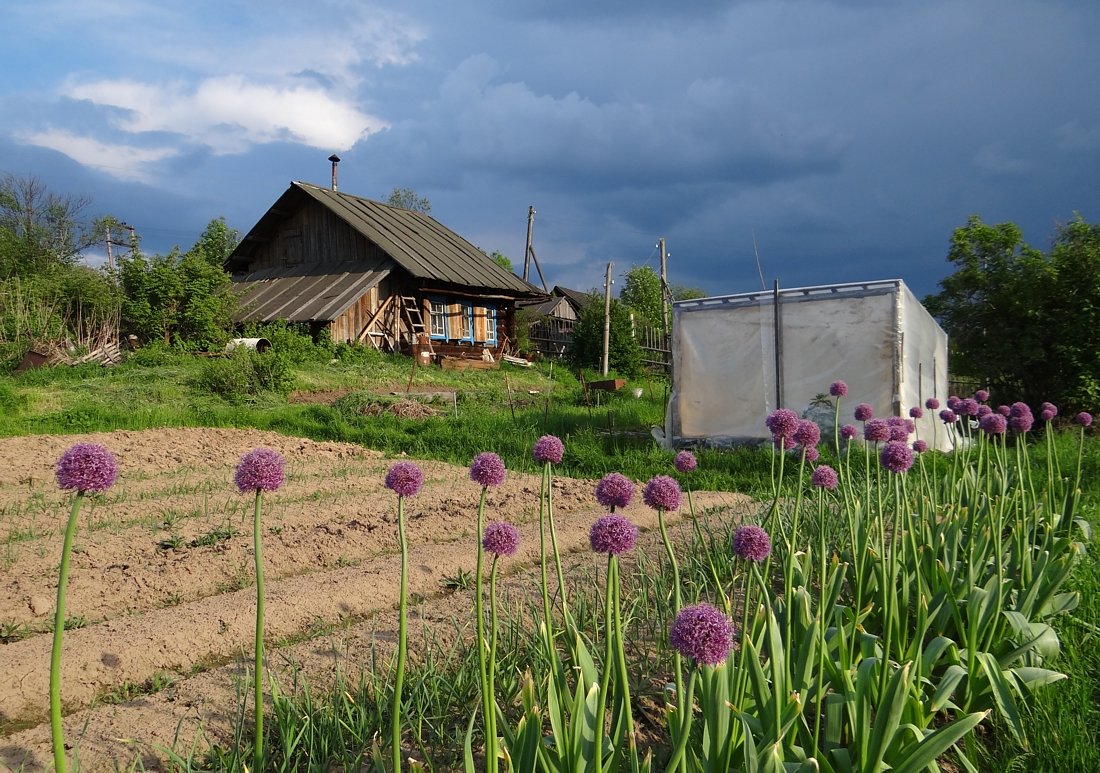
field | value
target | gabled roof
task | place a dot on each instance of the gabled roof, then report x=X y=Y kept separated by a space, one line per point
x=305 y=293
x=575 y=297
x=417 y=243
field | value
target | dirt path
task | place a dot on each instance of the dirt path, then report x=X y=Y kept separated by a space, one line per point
x=163 y=564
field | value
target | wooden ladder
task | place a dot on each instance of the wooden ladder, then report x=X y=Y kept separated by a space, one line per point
x=414 y=320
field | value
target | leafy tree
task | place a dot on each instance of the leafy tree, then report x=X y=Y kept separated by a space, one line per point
x=184 y=300
x=40 y=230
x=502 y=260
x=684 y=293
x=47 y=295
x=217 y=242
x=1023 y=320
x=642 y=293
x=406 y=198
x=624 y=354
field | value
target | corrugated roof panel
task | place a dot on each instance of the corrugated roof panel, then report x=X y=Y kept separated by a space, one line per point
x=304 y=293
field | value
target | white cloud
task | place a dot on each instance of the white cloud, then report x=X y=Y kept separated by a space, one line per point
x=230 y=113
x=122 y=161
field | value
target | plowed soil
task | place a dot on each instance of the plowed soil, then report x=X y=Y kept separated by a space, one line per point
x=161 y=604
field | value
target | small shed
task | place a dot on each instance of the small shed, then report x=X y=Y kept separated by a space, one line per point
x=736 y=358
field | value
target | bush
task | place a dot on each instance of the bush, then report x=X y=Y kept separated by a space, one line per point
x=292 y=342
x=245 y=374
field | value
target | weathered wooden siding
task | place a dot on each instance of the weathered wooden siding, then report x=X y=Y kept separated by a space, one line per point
x=314 y=234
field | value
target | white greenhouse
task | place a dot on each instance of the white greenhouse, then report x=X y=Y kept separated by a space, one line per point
x=736 y=358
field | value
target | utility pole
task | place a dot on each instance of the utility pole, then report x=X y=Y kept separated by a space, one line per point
x=606 y=320
x=664 y=291
x=529 y=253
x=111 y=241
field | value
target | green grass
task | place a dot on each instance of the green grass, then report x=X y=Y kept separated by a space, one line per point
x=497 y=411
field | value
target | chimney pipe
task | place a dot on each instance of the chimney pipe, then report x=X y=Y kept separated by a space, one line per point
x=335 y=159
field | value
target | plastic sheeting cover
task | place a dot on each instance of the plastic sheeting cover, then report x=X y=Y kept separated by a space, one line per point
x=876 y=337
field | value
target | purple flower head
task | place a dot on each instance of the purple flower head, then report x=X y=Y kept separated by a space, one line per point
x=783 y=443
x=931 y=403
x=500 y=539
x=848 y=431
x=863 y=412
x=810 y=453
x=404 y=479
x=915 y=412
x=1020 y=418
x=993 y=424
x=896 y=456
x=614 y=490
x=838 y=389
x=1004 y=410
x=86 y=467
x=947 y=416
x=984 y=410
x=751 y=543
x=1084 y=418
x=981 y=395
x=876 y=431
x=953 y=403
x=807 y=433
x=612 y=534
x=782 y=422
x=900 y=428
x=1047 y=416
x=824 y=476
x=548 y=450
x=685 y=461
x=920 y=446
x=487 y=469
x=702 y=633
x=662 y=493
x=968 y=407
x=1049 y=407
x=261 y=469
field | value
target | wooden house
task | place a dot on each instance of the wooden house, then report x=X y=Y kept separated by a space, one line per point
x=552 y=320
x=365 y=272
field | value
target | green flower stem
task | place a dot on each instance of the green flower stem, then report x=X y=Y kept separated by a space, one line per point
x=402 y=635
x=624 y=676
x=482 y=661
x=59 y=762
x=554 y=542
x=677 y=660
x=257 y=539
x=609 y=641
x=493 y=644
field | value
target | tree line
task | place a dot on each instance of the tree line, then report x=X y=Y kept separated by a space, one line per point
x=1021 y=320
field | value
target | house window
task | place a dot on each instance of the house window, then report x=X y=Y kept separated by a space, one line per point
x=438 y=318
x=490 y=325
x=462 y=320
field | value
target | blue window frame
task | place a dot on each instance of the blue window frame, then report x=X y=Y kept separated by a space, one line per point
x=465 y=321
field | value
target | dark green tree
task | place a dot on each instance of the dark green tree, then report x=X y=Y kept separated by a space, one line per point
x=406 y=198
x=216 y=243
x=1022 y=320
x=624 y=354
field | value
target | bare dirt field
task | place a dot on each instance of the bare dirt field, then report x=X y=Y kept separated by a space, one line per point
x=160 y=600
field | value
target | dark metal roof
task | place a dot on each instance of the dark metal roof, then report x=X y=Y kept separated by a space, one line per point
x=304 y=293
x=417 y=243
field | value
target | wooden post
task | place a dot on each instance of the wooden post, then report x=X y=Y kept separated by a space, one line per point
x=606 y=320
x=527 y=249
